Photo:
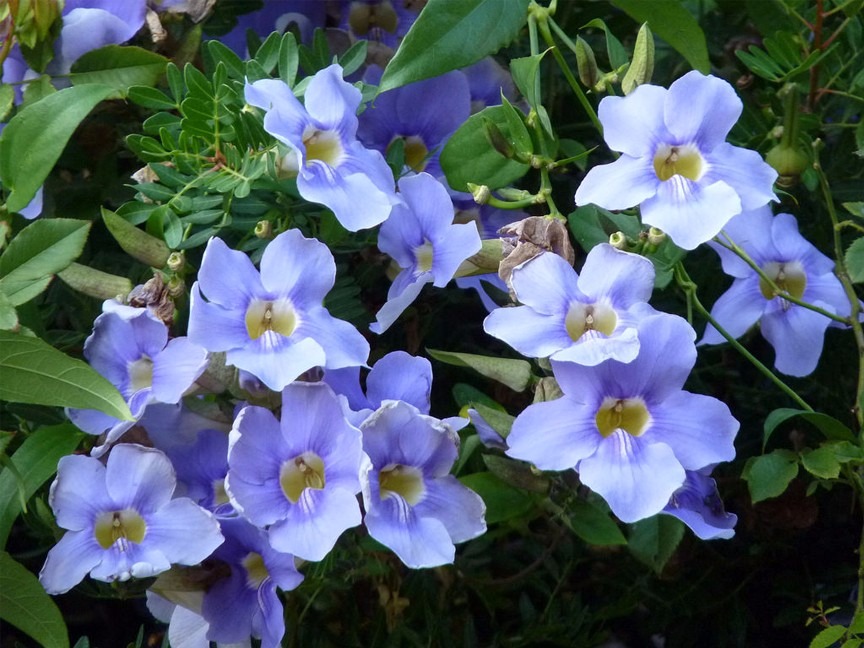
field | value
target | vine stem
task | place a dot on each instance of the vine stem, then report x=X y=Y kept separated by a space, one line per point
x=689 y=287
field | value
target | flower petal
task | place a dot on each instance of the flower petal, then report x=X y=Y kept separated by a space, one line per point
x=797 y=335
x=419 y=542
x=624 y=183
x=736 y=310
x=457 y=507
x=634 y=124
x=532 y=334
x=554 y=435
x=69 y=561
x=622 y=277
x=140 y=478
x=299 y=267
x=701 y=109
x=743 y=170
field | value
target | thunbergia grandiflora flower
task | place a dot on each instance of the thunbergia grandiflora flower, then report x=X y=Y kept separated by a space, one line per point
x=130 y=347
x=333 y=168
x=245 y=603
x=299 y=476
x=423 y=240
x=675 y=163
x=796 y=267
x=121 y=521
x=413 y=505
x=201 y=470
x=585 y=318
x=629 y=429
x=272 y=324
x=697 y=503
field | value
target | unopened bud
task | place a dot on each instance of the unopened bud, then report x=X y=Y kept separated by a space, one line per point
x=642 y=66
x=656 y=236
x=497 y=140
x=618 y=241
x=264 y=229
x=787 y=160
x=176 y=261
x=586 y=64
x=481 y=193
x=176 y=287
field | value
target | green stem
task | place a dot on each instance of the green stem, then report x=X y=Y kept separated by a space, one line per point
x=775 y=289
x=689 y=287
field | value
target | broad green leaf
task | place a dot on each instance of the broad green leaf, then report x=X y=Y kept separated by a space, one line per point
x=152 y=97
x=828 y=637
x=516 y=374
x=32 y=371
x=503 y=502
x=671 y=21
x=593 y=525
x=526 y=76
x=498 y=420
x=855 y=260
x=468 y=155
x=33 y=139
x=614 y=49
x=119 y=67
x=25 y=604
x=7 y=98
x=36 y=462
x=451 y=34
x=855 y=208
x=654 y=540
x=516 y=473
x=828 y=425
x=821 y=462
x=42 y=249
x=289 y=59
x=768 y=475
x=8 y=314
x=135 y=242
x=95 y=283
x=592 y=225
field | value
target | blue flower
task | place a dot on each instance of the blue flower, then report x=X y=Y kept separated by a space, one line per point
x=121 y=521
x=424 y=242
x=585 y=318
x=675 y=163
x=796 y=266
x=130 y=348
x=299 y=476
x=333 y=168
x=697 y=503
x=629 y=429
x=272 y=324
x=413 y=505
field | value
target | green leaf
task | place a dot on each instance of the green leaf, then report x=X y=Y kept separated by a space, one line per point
x=821 y=462
x=135 y=242
x=36 y=462
x=8 y=314
x=7 y=99
x=451 y=34
x=855 y=260
x=25 y=604
x=855 y=208
x=526 y=76
x=592 y=225
x=468 y=155
x=119 y=67
x=32 y=371
x=289 y=59
x=95 y=283
x=516 y=473
x=768 y=476
x=503 y=502
x=499 y=421
x=42 y=249
x=593 y=525
x=653 y=541
x=671 y=21
x=614 y=49
x=516 y=374
x=828 y=425
x=828 y=637
x=152 y=98
x=33 y=139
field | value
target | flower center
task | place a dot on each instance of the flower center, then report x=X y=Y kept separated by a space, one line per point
x=120 y=527
x=300 y=473
x=220 y=495
x=628 y=414
x=141 y=373
x=789 y=277
x=582 y=318
x=415 y=152
x=424 y=255
x=256 y=570
x=362 y=18
x=278 y=316
x=322 y=145
x=685 y=161
x=405 y=481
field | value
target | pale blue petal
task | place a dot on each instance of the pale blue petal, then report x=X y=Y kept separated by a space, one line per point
x=256 y=447
x=354 y=199
x=400 y=376
x=791 y=246
x=232 y=290
x=624 y=183
x=455 y=245
x=276 y=360
x=78 y=493
x=548 y=284
x=430 y=204
x=419 y=542
x=750 y=230
x=636 y=478
x=299 y=267
x=69 y=561
x=176 y=368
x=343 y=345
x=286 y=117
x=260 y=503
x=797 y=335
x=634 y=124
x=594 y=348
x=140 y=478
x=183 y=531
x=457 y=507
x=332 y=101
x=701 y=109
x=622 y=277
x=554 y=435
x=530 y=333
x=213 y=327
x=396 y=304
x=736 y=310
x=743 y=170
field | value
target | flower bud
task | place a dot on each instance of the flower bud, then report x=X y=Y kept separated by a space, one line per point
x=618 y=241
x=787 y=160
x=176 y=261
x=642 y=66
x=481 y=193
x=586 y=64
x=497 y=139
x=264 y=229
x=656 y=236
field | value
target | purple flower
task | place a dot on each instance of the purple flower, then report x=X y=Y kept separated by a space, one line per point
x=299 y=476
x=133 y=352
x=585 y=318
x=201 y=470
x=279 y=16
x=333 y=168
x=422 y=114
x=629 y=429
x=272 y=324
x=424 y=242
x=796 y=266
x=698 y=505
x=413 y=505
x=488 y=80
x=121 y=521
x=675 y=163
x=383 y=21
x=246 y=603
